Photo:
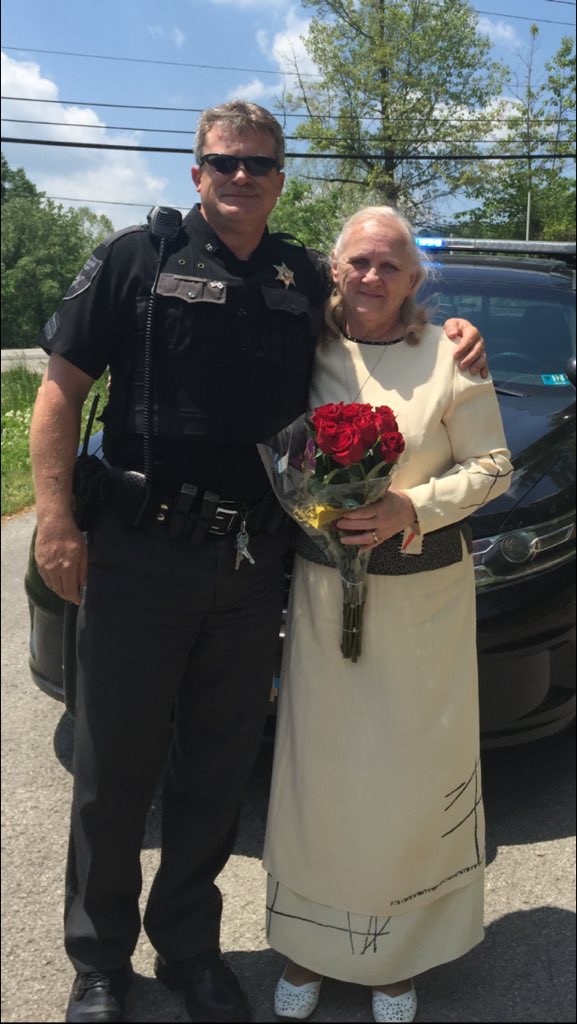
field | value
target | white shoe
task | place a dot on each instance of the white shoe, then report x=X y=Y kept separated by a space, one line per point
x=395 y=1008
x=296 y=1002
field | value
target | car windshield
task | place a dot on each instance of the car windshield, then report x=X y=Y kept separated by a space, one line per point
x=529 y=331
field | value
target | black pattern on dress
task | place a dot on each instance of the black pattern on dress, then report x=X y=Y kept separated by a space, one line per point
x=376 y=929
x=472 y=786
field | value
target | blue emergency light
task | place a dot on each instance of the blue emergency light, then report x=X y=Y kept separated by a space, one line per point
x=430 y=243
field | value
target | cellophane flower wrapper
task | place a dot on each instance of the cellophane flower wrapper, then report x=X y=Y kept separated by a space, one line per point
x=315 y=491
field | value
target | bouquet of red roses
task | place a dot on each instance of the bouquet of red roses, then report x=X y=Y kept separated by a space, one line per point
x=338 y=458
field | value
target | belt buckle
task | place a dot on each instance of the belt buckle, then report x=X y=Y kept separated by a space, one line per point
x=224 y=521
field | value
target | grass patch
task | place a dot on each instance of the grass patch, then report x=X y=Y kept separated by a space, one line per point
x=19 y=388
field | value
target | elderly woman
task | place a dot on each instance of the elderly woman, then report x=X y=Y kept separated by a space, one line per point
x=375 y=841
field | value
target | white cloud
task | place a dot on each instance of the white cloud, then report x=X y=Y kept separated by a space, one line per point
x=262 y=39
x=176 y=35
x=499 y=110
x=287 y=48
x=255 y=91
x=499 y=32
x=23 y=77
x=77 y=174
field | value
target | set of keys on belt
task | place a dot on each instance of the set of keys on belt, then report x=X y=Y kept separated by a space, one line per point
x=241 y=544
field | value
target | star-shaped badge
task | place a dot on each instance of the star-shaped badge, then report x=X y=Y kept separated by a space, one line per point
x=284 y=274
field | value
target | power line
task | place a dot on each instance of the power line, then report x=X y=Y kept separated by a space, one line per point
x=106 y=127
x=108 y=202
x=291 y=138
x=522 y=17
x=303 y=156
x=243 y=70
x=288 y=138
x=256 y=71
x=123 y=107
x=329 y=117
x=150 y=60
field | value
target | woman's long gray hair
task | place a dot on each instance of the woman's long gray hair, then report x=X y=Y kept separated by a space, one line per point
x=412 y=315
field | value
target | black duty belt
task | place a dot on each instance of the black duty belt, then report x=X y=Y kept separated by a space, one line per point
x=193 y=514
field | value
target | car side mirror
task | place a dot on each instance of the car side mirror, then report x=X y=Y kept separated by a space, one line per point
x=571 y=373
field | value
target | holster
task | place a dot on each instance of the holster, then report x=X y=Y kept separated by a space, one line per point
x=89 y=473
x=129 y=492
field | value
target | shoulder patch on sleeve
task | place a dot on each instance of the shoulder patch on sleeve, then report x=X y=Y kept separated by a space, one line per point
x=85 y=277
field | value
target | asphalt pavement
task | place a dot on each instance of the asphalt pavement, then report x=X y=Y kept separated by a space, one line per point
x=34 y=360
x=523 y=971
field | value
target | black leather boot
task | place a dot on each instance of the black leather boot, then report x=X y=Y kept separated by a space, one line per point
x=99 y=996
x=210 y=987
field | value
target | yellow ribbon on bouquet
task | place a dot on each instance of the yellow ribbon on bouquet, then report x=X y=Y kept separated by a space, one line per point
x=318 y=516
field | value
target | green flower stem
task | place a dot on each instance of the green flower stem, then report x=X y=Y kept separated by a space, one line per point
x=353 y=605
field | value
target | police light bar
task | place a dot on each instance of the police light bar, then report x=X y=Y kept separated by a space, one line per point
x=495 y=245
x=430 y=243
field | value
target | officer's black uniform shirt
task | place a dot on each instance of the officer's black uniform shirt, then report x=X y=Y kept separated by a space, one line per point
x=232 y=352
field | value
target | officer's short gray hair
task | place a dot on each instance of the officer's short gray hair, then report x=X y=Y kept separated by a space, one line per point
x=238 y=115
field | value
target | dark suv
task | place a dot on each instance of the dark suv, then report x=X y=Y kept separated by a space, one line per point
x=522 y=297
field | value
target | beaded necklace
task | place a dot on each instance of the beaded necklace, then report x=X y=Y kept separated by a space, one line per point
x=365 y=341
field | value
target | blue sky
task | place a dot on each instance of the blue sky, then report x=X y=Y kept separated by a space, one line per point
x=238 y=48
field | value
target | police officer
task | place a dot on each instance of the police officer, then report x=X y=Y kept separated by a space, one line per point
x=208 y=330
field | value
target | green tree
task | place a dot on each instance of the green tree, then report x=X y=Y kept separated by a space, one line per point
x=15 y=184
x=559 y=89
x=503 y=210
x=532 y=197
x=312 y=213
x=397 y=80
x=43 y=247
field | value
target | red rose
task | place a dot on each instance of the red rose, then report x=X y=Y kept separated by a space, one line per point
x=392 y=445
x=347 y=445
x=330 y=413
x=326 y=434
x=354 y=409
x=366 y=424
x=385 y=418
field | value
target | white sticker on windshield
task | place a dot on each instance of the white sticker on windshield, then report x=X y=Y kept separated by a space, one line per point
x=554 y=378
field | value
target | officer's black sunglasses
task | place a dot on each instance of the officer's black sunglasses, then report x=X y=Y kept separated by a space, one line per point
x=256 y=166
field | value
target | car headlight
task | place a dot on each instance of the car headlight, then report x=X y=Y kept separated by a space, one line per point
x=508 y=556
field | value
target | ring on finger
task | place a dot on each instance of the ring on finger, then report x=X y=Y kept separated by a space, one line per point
x=375 y=537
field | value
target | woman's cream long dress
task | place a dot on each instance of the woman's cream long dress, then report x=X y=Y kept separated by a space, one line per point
x=375 y=837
